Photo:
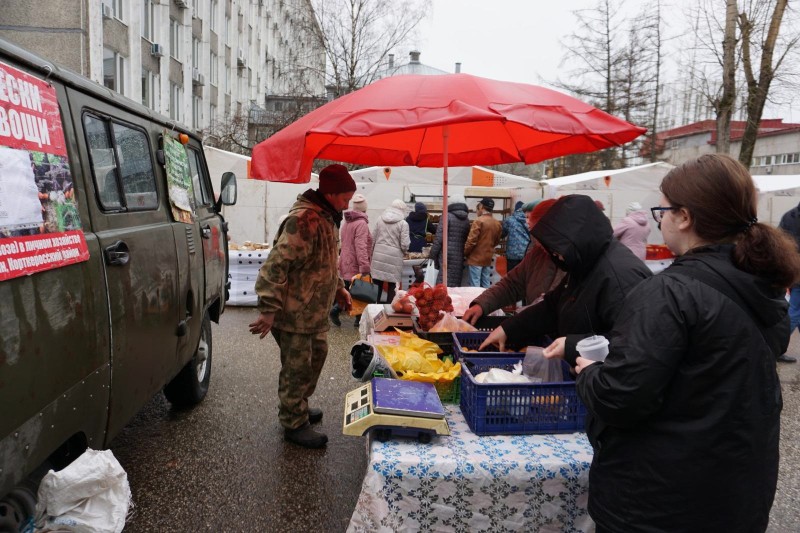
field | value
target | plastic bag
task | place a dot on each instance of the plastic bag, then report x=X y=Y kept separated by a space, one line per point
x=366 y=361
x=537 y=367
x=417 y=359
x=449 y=322
x=431 y=273
x=90 y=495
x=403 y=302
x=357 y=307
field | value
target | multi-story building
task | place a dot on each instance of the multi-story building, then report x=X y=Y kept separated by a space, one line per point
x=777 y=149
x=196 y=61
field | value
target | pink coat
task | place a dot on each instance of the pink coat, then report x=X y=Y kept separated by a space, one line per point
x=356 y=239
x=632 y=231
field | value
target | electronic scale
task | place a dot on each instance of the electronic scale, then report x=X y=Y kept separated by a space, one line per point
x=395 y=407
x=389 y=318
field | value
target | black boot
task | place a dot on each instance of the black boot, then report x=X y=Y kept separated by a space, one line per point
x=305 y=436
x=314 y=415
x=334 y=314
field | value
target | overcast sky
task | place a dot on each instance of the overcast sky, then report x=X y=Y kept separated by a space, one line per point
x=515 y=40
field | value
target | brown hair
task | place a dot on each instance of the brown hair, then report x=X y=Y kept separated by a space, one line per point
x=719 y=193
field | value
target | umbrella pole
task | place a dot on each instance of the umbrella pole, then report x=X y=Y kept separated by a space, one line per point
x=445 y=137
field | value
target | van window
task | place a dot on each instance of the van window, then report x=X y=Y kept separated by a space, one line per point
x=199 y=181
x=121 y=165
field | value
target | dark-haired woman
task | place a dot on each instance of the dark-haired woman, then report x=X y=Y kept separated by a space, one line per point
x=686 y=407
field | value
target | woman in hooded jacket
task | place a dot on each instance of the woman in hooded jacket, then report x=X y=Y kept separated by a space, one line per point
x=600 y=271
x=390 y=242
x=633 y=230
x=417 y=227
x=458 y=225
x=686 y=407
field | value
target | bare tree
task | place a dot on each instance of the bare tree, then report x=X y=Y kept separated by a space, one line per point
x=358 y=36
x=595 y=52
x=760 y=25
x=724 y=105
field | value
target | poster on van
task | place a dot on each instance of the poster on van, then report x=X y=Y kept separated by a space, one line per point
x=40 y=227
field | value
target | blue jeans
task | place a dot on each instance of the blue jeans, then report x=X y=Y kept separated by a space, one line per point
x=794 y=307
x=479 y=276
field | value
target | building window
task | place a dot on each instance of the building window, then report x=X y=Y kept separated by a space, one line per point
x=175 y=92
x=213 y=68
x=213 y=16
x=212 y=111
x=117 y=8
x=225 y=29
x=227 y=79
x=148 y=20
x=150 y=94
x=174 y=38
x=195 y=52
x=197 y=111
x=113 y=70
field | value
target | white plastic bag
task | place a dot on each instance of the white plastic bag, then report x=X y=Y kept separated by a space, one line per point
x=539 y=368
x=431 y=273
x=91 y=495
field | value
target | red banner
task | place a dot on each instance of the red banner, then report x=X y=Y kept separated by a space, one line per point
x=40 y=225
x=20 y=256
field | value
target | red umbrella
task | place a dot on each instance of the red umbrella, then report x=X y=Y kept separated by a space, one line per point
x=437 y=121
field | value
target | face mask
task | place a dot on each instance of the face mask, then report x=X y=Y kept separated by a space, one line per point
x=558 y=262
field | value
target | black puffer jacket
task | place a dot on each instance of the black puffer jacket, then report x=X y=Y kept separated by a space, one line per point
x=457 y=230
x=600 y=272
x=688 y=403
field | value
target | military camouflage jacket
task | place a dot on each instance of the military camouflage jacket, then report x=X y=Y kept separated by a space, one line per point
x=299 y=278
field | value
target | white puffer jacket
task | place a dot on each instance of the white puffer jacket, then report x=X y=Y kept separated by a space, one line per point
x=390 y=240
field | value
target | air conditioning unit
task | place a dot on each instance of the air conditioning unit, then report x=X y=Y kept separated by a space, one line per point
x=197 y=77
x=240 y=58
x=182 y=3
x=156 y=50
x=107 y=11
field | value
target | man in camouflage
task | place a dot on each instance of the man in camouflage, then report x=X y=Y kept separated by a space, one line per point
x=296 y=287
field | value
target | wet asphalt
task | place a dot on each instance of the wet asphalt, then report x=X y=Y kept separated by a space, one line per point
x=224 y=465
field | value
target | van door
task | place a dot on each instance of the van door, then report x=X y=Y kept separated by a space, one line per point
x=130 y=215
x=214 y=234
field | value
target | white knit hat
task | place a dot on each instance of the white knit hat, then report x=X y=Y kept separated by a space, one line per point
x=359 y=203
x=400 y=205
x=633 y=206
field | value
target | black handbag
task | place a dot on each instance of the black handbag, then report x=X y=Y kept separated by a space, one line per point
x=364 y=290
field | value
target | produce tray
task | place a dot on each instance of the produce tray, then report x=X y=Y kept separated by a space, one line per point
x=473 y=340
x=449 y=391
x=518 y=408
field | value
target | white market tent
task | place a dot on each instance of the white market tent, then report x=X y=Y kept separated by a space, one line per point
x=615 y=189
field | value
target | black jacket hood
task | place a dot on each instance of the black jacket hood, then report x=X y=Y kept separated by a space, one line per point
x=575 y=228
x=458 y=209
x=765 y=301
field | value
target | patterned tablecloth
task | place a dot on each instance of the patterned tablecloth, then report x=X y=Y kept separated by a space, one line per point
x=536 y=483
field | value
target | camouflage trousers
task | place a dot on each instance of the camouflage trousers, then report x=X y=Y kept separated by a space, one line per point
x=302 y=358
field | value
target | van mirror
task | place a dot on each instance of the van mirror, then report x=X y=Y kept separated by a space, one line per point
x=227 y=194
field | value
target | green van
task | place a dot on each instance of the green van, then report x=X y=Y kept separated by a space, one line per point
x=113 y=263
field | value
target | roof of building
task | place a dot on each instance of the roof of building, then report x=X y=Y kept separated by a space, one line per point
x=414 y=66
x=767 y=127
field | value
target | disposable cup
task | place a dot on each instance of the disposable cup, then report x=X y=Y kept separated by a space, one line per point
x=594 y=348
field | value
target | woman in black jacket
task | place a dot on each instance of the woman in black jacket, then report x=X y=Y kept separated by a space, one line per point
x=600 y=271
x=686 y=407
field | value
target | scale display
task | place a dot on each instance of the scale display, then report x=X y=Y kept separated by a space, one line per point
x=395 y=407
x=389 y=318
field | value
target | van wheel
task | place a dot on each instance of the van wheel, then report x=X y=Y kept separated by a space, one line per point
x=190 y=386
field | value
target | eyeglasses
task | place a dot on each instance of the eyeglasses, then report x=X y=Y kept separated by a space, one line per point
x=658 y=212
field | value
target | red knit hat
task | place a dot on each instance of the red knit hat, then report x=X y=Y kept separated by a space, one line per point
x=541 y=210
x=335 y=179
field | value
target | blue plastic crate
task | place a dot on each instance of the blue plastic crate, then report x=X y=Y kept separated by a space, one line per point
x=473 y=340
x=518 y=408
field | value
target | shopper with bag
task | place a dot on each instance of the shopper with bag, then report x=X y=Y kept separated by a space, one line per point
x=390 y=240
x=516 y=232
x=296 y=286
x=417 y=227
x=686 y=408
x=356 y=249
